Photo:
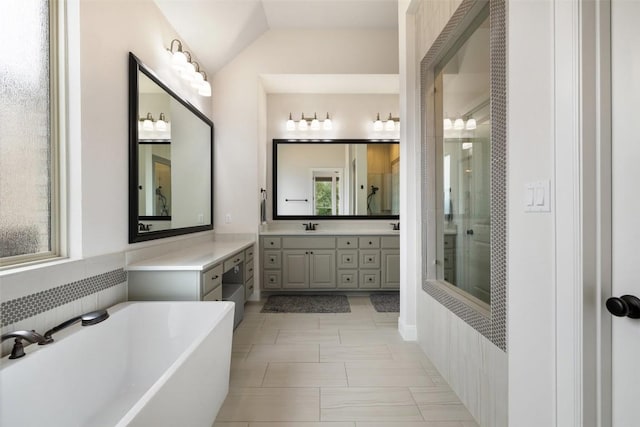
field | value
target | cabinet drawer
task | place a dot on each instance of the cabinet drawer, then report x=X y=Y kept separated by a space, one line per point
x=211 y=279
x=348 y=279
x=369 y=259
x=369 y=242
x=347 y=259
x=315 y=242
x=347 y=242
x=390 y=242
x=272 y=280
x=449 y=241
x=369 y=279
x=214 y=295
x=272 y=259
x=248 y=253
x=248 y=288
x=271 y=242
x=248 y=269
x=231 y=262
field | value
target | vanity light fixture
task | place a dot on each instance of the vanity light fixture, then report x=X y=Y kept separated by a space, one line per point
x=302 y=124
x=458 y=124
x=291 y=125
x=147 y=123
x=388 y=125
x=197 y=78
x=205 y=86
x=377 y=125
x=327 y=124
x=471 y=124
x=161 y=124
x=178 y=58
x=188 y=69
x=447 y=124
x=305 y=124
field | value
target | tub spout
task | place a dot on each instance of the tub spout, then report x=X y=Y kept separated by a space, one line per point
x=87 y=319
x=18 y=348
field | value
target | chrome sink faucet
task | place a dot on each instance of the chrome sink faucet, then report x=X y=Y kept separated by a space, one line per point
x=18 y=348
x=309 y=226
x=87 y=319
x=396 y=225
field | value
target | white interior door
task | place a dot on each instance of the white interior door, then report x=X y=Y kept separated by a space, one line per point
x=625 y=57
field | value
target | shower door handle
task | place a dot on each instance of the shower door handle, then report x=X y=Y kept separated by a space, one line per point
x=470 y=232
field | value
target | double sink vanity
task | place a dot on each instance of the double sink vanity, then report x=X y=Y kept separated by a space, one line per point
x=330 y=260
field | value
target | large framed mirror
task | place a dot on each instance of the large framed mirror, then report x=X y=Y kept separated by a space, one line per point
x=463 y=103
x=336 y=179
x=170 y=160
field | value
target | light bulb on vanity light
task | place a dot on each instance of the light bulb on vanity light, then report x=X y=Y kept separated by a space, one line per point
x=390 y=125
x=197 y=81
x=471 y=124
x=161 y=124
x=458 y=124
x=447 y=124
x=302 y=124
x=315 y=123
x=377 y=125
x=327 y=124
x=205 y=86
x=147 y=123
x=291 y=125
x=178 y=58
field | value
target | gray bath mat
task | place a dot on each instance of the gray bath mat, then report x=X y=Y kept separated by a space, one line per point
x=306 y=304
x=386 y=303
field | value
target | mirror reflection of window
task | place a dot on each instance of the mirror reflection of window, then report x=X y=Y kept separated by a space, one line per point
x=464 y=226
x=336 y=178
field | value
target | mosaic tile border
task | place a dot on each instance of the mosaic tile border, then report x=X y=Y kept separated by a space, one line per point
x=18 y=309
x=494 y=327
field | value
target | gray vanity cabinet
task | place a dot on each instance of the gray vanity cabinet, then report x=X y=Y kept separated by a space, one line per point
x=321 y=262
x=308 y=263
x=180 y=278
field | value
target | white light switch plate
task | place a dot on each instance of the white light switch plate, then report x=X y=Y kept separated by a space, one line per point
x=537 y=196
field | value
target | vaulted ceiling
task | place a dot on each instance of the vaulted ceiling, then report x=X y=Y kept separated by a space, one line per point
x=220 y=29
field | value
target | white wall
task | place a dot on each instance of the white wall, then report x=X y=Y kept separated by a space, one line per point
x=240 y=113
x=531 y=237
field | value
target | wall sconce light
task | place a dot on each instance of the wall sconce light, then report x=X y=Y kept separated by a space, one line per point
x=149 y=128
x=188 y=69
x=304 y=123
x=460 y=124
x=388 y=125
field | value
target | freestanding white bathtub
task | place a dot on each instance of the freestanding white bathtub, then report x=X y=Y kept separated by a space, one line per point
x=150 y=364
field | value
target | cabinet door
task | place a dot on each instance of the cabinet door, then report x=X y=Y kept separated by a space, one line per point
x=322 y=268
x=391 y=269
x=295 y=272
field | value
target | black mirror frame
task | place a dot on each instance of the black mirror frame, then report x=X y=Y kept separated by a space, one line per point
x=135 y=66
x=274 y=155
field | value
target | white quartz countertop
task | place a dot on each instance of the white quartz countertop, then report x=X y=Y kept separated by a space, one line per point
x=334 y=232
x=200 y=257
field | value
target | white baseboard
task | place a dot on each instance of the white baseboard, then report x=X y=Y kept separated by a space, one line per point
x=408 y=332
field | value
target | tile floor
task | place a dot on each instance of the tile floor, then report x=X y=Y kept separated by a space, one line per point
x=333 y=370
